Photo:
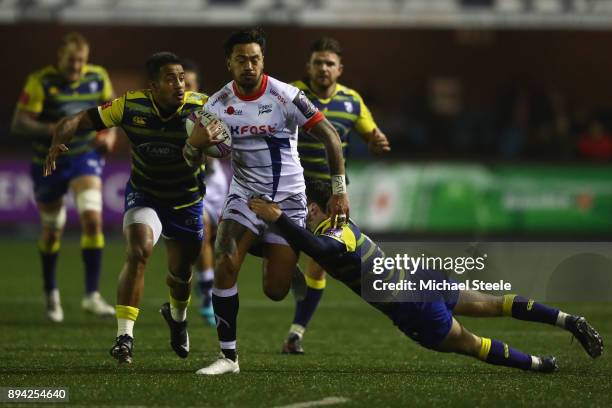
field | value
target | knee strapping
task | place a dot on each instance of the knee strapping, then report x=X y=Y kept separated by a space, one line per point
x=54 y=219
x=89 y=200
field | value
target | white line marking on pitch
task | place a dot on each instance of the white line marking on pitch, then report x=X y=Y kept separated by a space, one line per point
x=319 y=403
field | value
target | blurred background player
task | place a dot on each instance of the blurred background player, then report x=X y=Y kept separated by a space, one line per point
x=264 y=115
x=217 y=185
x=162 y=197
x=345 y=109
x=50 y=94
x=427 y=317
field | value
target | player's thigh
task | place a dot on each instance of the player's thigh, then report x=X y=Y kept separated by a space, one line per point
x=278 y=267
x=231 y=246
x=460 y=340
x=478 y=304
x=181 y=255
x=314 y=270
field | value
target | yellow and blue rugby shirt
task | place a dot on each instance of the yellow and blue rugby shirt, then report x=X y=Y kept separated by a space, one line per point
x=48 y=94
x=158 y=167
x=346 y=111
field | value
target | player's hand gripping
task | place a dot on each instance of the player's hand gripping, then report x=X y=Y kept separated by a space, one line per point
x=54 y=151
x=338 y=209
x=266 y=210
x=200 y=139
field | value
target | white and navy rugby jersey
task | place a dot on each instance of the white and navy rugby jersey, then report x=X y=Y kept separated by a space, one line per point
x=264 y=130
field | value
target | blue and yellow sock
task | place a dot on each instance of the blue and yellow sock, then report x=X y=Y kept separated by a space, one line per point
x=91 y=251
x=126 y=316
x=495 y=352
x=522 y=308
x=306 y=307
x=48 y=258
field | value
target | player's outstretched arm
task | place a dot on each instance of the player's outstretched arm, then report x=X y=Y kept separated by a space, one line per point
x=64 y=131
x=339 y=203
x=317 y=247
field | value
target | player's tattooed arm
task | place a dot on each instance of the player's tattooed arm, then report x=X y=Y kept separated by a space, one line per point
x=339 y=203
x=27 y=123
x=64 y=131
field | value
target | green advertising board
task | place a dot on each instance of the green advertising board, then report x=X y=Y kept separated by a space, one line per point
x=441 y=197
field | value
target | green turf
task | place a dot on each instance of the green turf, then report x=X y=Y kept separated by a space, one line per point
x=353 y=351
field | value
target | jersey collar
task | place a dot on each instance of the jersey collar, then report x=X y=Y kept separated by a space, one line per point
x=158 y=113
x=326 y=100
x=256 y=95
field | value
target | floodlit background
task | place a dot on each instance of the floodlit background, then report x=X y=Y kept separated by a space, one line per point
x=498 y=111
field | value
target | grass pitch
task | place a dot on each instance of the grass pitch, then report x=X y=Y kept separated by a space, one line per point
x=354 y=353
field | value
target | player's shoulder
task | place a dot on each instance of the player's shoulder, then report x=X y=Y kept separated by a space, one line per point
x=346 y=91
x=42 y=73
x=195 y=98
x=221 y=97
x=345 y=234
x=301 y=85
x=96 y=70
x=283 y=91
x=136 y=94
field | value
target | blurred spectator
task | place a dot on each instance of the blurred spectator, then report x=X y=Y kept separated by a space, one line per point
x=596 y=142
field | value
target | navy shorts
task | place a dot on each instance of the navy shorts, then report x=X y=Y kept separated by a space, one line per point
x=50 y=188
x=428 y=320
x=182 y=224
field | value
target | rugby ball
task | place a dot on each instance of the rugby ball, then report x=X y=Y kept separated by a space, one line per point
x=202 y=118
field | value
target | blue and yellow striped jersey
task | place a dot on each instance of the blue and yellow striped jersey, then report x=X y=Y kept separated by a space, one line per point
x=49 y=95
x=346 y=111
x=158 y=167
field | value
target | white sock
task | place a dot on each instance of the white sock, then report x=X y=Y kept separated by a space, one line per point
x=536 y=362
x=297 y=329
x=206 y=275
x=53 y=297
x=561 y=319
x=125 y=326
x=178 y=314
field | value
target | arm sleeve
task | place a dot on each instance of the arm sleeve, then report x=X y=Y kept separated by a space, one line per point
x=305 y=113
x=365 y=122
x=107 y=89
x=315 y=246
x=111 y=113
x=32 y=97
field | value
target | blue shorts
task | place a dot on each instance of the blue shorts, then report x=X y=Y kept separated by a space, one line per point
x=50 y=188
x=429 y=321
x=182 y=224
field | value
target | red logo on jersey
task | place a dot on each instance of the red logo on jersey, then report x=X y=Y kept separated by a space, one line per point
x=230 y=110
x=24 y=98
x=107 y=105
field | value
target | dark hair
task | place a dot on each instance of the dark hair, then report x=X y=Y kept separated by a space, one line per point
x=326 y=44
x=318 y=192
x=245 y=36
x=156 y=61
x=189 y=65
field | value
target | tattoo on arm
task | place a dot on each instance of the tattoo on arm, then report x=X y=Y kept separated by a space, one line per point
x=326 y=133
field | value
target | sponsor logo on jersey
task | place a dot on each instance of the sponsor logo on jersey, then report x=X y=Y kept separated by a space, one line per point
x=252 y=130
x=161 y=152
x=348 y=106
x=233 y=111
x=93 y=87
x=304 y=105
x=139 y=120
x=219 y=99
x=282 y=100
x=264 y=109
